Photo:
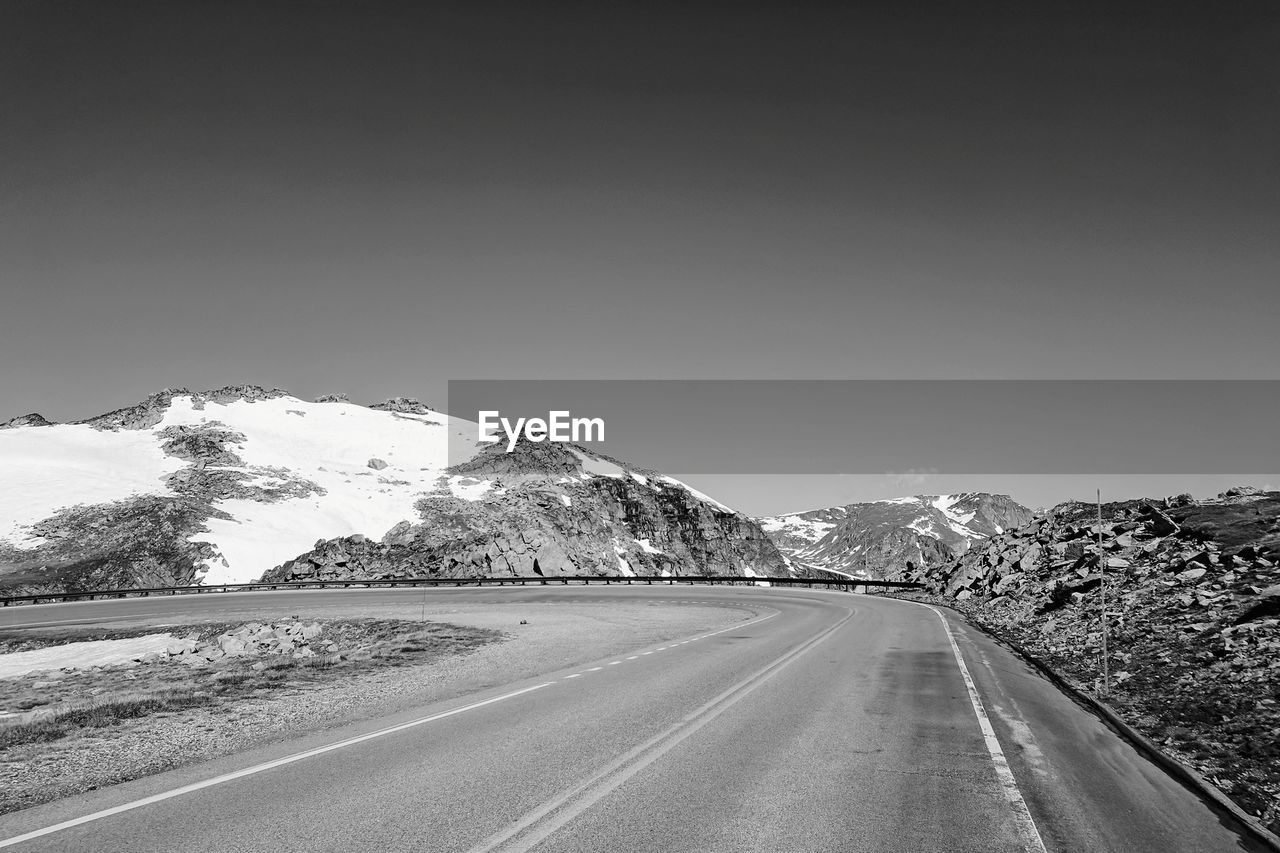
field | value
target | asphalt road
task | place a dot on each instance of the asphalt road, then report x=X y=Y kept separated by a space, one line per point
x=829 y=722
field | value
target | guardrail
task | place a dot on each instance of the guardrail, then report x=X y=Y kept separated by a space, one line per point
x=846 y=585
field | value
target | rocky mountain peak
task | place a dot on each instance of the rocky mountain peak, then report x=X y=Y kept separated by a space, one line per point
x=33 y=419
x=150 y=411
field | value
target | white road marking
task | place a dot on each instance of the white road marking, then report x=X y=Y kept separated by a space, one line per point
x=575 y=675
x=543 y=821
x=258 y=768
x=595 y=669
x=633 y=657
x=1026 y=826
x=614 y=662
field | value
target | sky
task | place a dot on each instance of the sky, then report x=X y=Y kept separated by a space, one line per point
x=378 y=198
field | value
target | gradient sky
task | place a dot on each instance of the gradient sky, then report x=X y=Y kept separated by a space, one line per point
x=376 y=198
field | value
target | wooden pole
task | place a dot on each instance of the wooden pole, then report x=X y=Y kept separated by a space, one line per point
x=1102 y=570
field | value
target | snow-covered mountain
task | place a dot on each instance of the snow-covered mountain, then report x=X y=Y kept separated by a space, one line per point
x=872 y=539
x=224 y=486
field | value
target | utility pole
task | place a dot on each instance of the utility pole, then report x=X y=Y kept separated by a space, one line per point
x=1102 y=587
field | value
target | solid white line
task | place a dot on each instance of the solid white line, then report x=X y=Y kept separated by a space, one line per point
x=257 y=768
x=1026 y=826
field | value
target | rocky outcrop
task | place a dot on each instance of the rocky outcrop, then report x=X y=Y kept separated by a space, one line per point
x=546 y=516
x=291 y=638
x=135 y=543
x=404 y=405
x=1193 y=617
x=150 y=412
x=205 y=444
x=32 y=420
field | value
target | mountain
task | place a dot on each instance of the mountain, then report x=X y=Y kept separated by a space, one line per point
x=229 y=485
x=872 y=539
x=1193 y=606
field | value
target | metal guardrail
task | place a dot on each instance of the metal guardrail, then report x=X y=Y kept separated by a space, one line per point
x=846 y=585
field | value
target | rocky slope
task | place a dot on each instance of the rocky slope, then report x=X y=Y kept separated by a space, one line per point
x=871 y=539
x=552 y=510
x=224 y=486
x=1193 y=615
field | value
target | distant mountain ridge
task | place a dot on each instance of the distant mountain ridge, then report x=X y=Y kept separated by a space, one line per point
x=227 y=485
x=876 y=538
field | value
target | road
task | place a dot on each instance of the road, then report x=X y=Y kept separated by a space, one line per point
x=828 y=722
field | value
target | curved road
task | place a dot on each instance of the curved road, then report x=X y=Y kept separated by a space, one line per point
x=827 y=722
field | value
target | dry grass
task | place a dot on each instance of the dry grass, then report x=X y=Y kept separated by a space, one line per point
x=76 y=702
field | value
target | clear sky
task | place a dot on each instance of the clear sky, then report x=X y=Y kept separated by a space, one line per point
x=376 y=198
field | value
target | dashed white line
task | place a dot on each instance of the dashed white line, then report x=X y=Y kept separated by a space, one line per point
x=614 y=662
x=595 y=669
x=575 y=675
x=633 y=657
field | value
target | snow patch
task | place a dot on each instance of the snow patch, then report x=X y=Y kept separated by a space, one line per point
x=623 y=566
x=802 y=528
x=469 y=488
x=647 y=547
x=593 y=466
x=83 y=655
x=48 y=468
x=697 y=494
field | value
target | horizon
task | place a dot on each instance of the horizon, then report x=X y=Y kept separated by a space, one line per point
x=772 y=495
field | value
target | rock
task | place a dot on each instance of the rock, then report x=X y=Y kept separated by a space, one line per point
x=1191 y=574
x=310 y=632
x=1160 y=523
x=1117 y=563
x=1241 y=491
x=376 y=464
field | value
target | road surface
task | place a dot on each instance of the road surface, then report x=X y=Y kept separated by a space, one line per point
x=823 y=722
